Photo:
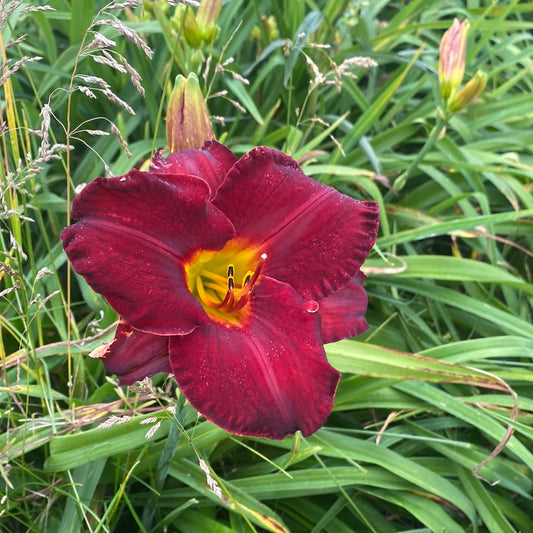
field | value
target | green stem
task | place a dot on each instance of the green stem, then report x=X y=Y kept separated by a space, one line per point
x=401 y=180
x=165 y=460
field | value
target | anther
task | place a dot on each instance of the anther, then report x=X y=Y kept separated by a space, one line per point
x=247 y=278
x=236 y=296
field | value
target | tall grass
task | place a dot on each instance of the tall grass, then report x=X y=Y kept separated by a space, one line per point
x=432 y=426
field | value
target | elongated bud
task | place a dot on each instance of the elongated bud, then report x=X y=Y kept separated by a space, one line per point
x=191 y=31
x=207 y=16
x=452 y=53
x=468 y=93
x=188 y=124
x=203 y=28
x=270 y=27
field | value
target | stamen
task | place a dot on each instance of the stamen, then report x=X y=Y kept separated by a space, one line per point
x=247 y=278
x=249 y=285
x=231 y=298
x=216 y=287
x=213 y=277
x=201 y=291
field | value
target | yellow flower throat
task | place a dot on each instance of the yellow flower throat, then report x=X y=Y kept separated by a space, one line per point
x=223 y=281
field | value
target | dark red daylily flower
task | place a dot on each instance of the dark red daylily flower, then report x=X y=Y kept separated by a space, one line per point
x=232 y=274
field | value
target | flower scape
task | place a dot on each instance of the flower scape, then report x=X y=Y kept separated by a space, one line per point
x=232 y=274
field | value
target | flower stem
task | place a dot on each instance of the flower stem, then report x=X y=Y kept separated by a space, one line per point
x=401 y=180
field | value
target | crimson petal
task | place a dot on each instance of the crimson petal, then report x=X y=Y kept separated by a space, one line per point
x=133 y=355
x=316 y=238
x=210 y=163
x=343 y=311
x=268 y=378
x=130 y=241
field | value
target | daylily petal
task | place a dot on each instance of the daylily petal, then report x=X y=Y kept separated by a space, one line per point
x=269 y=377
x=211 y=163
x=316 y=238
x=129 y=242
x=133 y=355
x=343 y=311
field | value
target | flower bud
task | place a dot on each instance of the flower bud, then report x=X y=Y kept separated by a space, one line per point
x=207 y=17
x=269 y=28
x=188 y=124
x=468 y=93
x=202 y=27
x=452 y=53
x=191 y=31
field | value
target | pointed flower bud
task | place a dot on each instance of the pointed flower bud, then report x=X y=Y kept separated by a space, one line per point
x=268 y=27
x=468 y=93
x=207 y=17
x=202 y=27
x=191 y=31
x=452 y=53
x=188 y=124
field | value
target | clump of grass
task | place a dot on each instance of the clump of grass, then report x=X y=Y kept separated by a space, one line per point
x=433 y=441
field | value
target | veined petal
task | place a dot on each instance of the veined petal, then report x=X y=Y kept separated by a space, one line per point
x=210 y=163
x=130 y=240
x=343 y=311
x=133 y=355
x=268 y=378
x=316 y=238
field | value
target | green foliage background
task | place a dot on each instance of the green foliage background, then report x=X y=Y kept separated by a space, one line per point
x=415 y=443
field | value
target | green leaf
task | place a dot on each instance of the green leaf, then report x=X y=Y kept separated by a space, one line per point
x=71 y=451
x=195 y=522
x=428 y=512
x=447 y=268
x=451 y=227
x=234 y=499
x=84 y=484
x=505 y=321
x=80 y=19
x=371 y=360
x=476 y=417
x=467 y=351
x=490 y=513
x=239 y=91
x=310 y=482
